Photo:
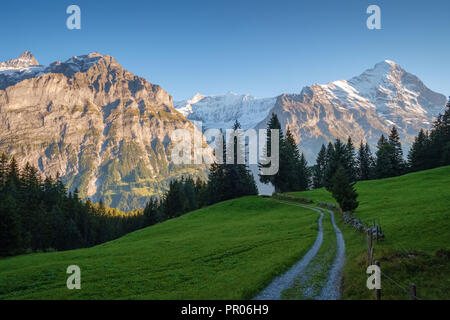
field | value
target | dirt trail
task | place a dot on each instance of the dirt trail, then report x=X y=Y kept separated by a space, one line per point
x=331 y=290
x=278 y=285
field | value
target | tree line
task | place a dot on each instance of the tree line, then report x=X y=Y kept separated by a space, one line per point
x=40 y=215
x=340 y=164
x=429 y=150
x=225 y=181
x=293 y=173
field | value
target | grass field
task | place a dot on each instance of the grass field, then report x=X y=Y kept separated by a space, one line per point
x=414 y=212
x=230 y=250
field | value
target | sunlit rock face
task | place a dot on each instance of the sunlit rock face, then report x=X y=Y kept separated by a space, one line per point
x=104 y=130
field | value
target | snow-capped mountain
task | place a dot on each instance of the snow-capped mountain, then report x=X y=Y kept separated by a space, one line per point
x=391 y=89
x=15 y=70
x=221 y=111
x=26 y=66
x=24 y=61
x=363 y=108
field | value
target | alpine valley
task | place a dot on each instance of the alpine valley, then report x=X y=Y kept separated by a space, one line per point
x=107 y=132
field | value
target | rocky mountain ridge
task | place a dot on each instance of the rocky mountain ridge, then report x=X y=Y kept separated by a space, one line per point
x=363 y=107
x=106 y=131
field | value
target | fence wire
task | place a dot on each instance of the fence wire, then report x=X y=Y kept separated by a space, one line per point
x=400 y=286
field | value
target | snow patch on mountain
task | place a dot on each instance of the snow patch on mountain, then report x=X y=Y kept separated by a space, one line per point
x=26 y=66
x=24 y=61
x=221 y=111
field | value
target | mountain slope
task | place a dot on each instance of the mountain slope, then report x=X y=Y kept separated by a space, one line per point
x=103 y=129
x=413 y=211
x=363 y=107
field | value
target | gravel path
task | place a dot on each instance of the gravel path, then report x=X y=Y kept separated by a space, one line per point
x=332 y=290
x=275 y=288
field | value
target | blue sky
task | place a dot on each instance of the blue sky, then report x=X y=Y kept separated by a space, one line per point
x=249 y=46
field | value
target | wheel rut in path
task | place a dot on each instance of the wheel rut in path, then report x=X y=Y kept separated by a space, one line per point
x=278 y=285
x=332 y=288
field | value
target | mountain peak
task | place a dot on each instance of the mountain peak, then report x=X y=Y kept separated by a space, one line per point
x=25 y=60
x=387 y=62
x=27 y=55
x=385 y=66
x=196 y=98
x=94 y=54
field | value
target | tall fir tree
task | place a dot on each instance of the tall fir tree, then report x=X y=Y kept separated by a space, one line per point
x=343 y=190
x=292 y=168
x=418 y=157
x=397 y=162
x=4 y=170
x=383 y=167
x=350 y=160
x=304 y=175
x=338 y=156
x=440 y=139
x=10 y=226
x=366 y=163
x=319 y=168
x=278 y=180
x=240 y=178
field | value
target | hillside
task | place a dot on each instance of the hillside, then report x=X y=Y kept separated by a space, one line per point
x=227 y=251
x=414 y=212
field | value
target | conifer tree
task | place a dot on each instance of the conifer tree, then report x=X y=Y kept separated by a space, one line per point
x=151 y=212
x=304 y=175
x=343 y=190
x=338 y=156
x=4 y=170
x=319 y=168
x=397 y=162
x=278 y=180
x=10 y=227
x=439 y=153
x=240 y=178
x=365 y=162
x=384 y=154
x=292 y=167
x=329 y=154
x=418 y=157
x=350 y=160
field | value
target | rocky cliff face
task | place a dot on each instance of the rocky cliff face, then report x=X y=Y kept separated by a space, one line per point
x=363 y=108
x=103 y=129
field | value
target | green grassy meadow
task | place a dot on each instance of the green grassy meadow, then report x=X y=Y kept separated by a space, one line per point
x=230 y=250
x=414 y=212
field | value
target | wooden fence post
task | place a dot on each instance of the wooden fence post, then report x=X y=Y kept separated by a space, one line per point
x=378 y=291
x=370 y=247
x=412 y=290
